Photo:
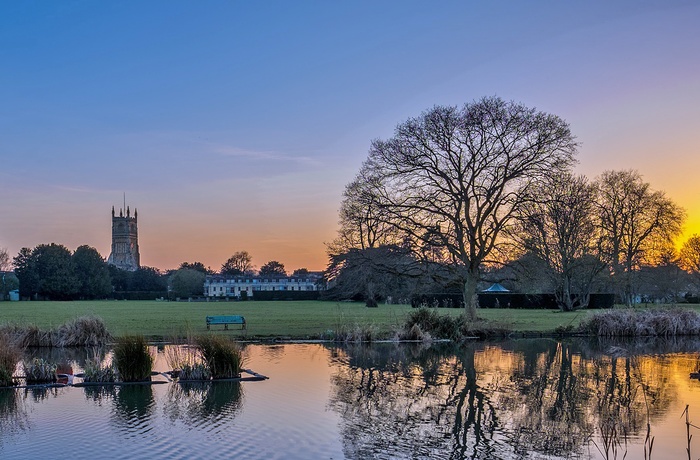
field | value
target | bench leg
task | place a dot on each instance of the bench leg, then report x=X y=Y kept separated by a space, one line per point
x=207 y=327
x=226 y=327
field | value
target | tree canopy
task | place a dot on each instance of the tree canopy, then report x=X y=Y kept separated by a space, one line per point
x=453 y=178
x=240 y=263
x=273 y=268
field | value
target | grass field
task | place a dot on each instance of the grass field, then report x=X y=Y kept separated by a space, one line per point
x=298 y=320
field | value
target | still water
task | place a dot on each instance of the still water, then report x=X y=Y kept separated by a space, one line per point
x=541 y=398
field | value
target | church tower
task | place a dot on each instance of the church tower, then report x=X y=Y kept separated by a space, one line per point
x=125 y=240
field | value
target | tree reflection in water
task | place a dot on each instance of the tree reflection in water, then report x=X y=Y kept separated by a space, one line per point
x=515 y=399
x=13 y=414
x=198 y=403
x=133 y=407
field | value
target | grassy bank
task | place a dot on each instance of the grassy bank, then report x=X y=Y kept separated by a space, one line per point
x=302 y=319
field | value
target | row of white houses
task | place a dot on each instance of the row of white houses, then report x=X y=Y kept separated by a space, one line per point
x=233 y=286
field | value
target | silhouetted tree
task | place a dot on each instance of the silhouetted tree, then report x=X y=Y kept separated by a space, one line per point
x=690 y=255
x=240 y=263
x=198 y=266
x=5 y=262
x=92 y=273
x=636 y=223
x=273 y=268
x=186 y=282
x=454 y=177
x=559 y=227
x=147 y=279
x=46 y=271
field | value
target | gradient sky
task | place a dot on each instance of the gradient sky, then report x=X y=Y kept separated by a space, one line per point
x=236 y=125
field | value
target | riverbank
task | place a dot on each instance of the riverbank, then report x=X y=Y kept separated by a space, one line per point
x=292 y=320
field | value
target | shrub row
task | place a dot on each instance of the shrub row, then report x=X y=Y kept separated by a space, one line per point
x=285 y=295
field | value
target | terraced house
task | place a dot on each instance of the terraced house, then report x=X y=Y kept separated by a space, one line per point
x=247 y=286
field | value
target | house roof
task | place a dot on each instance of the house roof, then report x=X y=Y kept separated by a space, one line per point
x=496 y=287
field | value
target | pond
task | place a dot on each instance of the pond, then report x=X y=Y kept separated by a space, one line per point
x=536 y=398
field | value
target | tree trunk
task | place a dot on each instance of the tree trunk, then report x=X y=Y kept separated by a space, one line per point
x=471 y=298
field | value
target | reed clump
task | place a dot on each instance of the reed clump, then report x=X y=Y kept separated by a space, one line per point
x=80 y=332
x=187 y=362
x=222 y=356
x=132 y=359
x=84 y=331
x=39 y=371
x=9 y=357
x=357 y=333
x=629 y=322
x=429 y=324
x=97 y=372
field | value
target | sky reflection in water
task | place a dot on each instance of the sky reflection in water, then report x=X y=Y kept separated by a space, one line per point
x=518 y=399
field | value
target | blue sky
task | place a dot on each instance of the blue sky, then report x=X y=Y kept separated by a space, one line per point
x=235 y=125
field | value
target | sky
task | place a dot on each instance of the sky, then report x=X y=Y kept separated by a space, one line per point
x=236 y=125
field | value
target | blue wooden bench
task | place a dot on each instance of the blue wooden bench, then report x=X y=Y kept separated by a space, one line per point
x=226 y=320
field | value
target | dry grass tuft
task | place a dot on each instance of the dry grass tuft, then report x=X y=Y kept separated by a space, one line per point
x=84 y=331
x=9 y=357
x=644 y=322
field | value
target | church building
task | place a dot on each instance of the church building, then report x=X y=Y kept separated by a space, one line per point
x=125 y=241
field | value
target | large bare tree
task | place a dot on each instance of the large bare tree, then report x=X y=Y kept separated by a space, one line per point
x=455 y=177
x=637 y=223
x=362 y=223
x=690 y=254
x=559 y=227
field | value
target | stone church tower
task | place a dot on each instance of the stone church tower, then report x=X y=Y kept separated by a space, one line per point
x=125 y=241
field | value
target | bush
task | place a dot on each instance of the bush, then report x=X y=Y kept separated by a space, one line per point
x=433 y=325
x=222 y=356
x=132 y=359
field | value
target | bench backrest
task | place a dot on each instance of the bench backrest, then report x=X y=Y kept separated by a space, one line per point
x=233 y=319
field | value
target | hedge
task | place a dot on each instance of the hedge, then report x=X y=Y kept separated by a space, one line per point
x=285 y=295
x=505 y=300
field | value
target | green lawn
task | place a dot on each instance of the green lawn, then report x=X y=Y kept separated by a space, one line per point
x=302 y=319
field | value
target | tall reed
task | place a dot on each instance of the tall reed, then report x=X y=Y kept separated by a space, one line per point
x=132 y=359
x=9 y=357
x=223 y=356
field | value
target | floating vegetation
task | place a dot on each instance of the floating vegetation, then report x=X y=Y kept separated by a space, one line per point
x=83 y=331
x=96 y=372
x=39 y=371
x=222 y=356
x=643 y=322
x=198 y=371
x=132 y=359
